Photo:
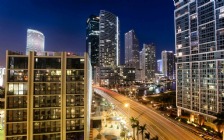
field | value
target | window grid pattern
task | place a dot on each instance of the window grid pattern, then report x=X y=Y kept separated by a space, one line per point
x=74 y=100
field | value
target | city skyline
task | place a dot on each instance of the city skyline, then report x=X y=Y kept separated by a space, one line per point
x=63 y=23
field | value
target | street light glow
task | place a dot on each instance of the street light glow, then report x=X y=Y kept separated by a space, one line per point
x=126 y=105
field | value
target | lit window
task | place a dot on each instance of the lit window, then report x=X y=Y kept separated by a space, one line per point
x=179 y=46
x=194 y=16
x=222 y=10
x=204 y=27
x=221 y=15
x=211 y=87
x=179 y=30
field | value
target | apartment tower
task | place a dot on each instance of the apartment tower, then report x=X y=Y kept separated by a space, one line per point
x=199 y=33
x=48 y=96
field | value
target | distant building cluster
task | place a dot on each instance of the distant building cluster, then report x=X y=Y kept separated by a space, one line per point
x=103 y=45
x=48 y=94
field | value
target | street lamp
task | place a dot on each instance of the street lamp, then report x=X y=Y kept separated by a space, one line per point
x=126 y=105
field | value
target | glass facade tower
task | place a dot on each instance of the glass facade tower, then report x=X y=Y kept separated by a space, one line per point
x=199 y=33
x=149 y=61
x=35 y=41
x=92 y=39
x=168 y=64
x=48 y=96
x=131 y=50
x=109 y=48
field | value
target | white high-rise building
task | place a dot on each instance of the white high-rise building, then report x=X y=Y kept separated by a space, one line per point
x=199 y=35
x=159 y=66
x=35 y=41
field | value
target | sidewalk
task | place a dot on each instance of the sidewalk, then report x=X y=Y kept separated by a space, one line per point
x=111 y=126
x=2 y=135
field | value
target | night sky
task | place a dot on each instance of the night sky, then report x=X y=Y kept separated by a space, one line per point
x=63 y=22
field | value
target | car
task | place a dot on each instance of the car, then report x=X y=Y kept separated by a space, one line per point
x=201 y=135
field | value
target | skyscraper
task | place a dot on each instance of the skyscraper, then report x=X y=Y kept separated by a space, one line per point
x=141 y=66
x=2 y=77
x=199 y=34
x=131 y=50
x=160 y=66
x=168 y=64
x=92 y=39
x=35 y=41
x=48 y=96
x=149 y=61
x=109 y=50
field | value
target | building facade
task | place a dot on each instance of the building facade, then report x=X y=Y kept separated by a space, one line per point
x=35 y=41
x=168 y=64
x=2 y=77
x=141 y=64
x=132 y=53
x=149 y=61
x=92 y=39
x=160 y=66
x=48 y=96
x=131 y=50
x=127 y=75
x=199 y=33
x=109 y=48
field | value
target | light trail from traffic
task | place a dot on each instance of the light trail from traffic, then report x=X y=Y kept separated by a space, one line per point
x=157 y=124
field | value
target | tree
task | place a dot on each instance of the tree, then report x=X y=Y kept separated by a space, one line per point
x=137 y=125
x=155 y=138
x=219 y=121
x=147 y=136
x=122 y=134
x=142 y=129
x=133 y=125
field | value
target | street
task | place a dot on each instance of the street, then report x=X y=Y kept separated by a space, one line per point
x=156 y=123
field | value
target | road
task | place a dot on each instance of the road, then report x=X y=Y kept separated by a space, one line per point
x=156 y=123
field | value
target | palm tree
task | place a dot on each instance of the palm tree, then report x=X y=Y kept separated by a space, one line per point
x=142 y=129
x=133 y=125
x=147 y=135
x=219 y=121
x=137 y=126
x=155 y=138
x=122 y=134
